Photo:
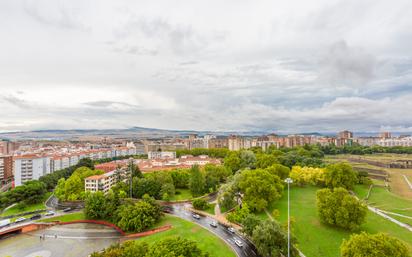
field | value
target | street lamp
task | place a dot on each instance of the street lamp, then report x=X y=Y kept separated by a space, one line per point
x=288 y=181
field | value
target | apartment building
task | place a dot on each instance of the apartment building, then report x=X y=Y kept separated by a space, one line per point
x=6 y=169
x=30 y=167
x=161 y=155
x=102 y=183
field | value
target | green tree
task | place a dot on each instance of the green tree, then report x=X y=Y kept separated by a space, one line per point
x=339 y=208
x=259 y=188
x=137 y=217
x=95 y=205
x=271 y=240
x=265 y=160
x=239 y=213
x=279 y=170
x=249 y=223
x=176 y=247
x=377 y=245
x=167 y=191
x=197 y=181
x=247 y=159
x=340 y=175
x=233 y=162
x=200 y=204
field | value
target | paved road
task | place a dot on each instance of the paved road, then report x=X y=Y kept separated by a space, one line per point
x=248 y=250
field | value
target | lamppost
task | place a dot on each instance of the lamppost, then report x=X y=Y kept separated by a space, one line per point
x=288 y=181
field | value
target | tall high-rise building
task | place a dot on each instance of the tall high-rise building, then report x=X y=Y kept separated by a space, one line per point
x=345 y=134
x=385 y=134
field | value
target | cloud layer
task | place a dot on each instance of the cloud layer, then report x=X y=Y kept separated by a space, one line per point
x=231 y=65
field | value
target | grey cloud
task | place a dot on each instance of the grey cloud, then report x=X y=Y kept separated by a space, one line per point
x=346 y=66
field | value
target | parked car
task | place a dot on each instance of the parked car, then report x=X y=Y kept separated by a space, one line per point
x=167 y=209
x=213 y=224
x=50 y=213
x=196 y=216
x=231 y=230
x=238 y=242
x=67 y=209
x=4 y=223
x=21 y=219
x=35 y=217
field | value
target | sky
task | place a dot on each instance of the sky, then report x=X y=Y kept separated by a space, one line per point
x=282 y=66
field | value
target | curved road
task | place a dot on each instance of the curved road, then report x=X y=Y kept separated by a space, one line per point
x=247 y=250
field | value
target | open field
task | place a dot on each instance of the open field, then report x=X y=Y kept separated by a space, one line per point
x=32 y=207
x=181 y=194
x=320 y=240
x=396 y=180
x=205 y=239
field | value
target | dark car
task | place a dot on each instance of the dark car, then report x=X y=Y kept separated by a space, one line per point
x=167 y=209
x=67 y=209
x=35 y=217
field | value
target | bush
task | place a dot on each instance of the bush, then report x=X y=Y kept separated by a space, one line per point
x=339 y=208
x=200 y=204
x=307 y=175
x=377 y=245
x=340 y=175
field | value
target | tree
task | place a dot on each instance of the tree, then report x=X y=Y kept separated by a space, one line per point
x=279 y=170
x=340 y=175
x=377 y=245
x=200 y=204
x=308 y=175
x=265 y=160
x=232 y=161
x=137 y=217
x=73 y=188
x=271 y=241
x=146 y=185
x=180 y=178
x=247 y=159
x=197 y=181
x=214 y=175
x=339 y=208
x=85 y=162
x=249 y=223
x=167 y=191
x=226 y=196
x=239 y=214
x=95 y=205
x=259 y=188
x=176 y=247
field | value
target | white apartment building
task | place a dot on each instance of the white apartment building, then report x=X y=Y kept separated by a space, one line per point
x=161 y=155
x=30 y=167
x=101 y=183
x=395 y=141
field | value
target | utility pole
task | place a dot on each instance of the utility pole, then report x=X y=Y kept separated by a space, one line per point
x=288 y=181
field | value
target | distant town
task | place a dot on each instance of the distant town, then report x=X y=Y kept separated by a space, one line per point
x=25 y=160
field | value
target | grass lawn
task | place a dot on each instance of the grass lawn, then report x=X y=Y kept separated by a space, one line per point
x=206 y=240
x=317 y=239
x=361 y=191
x=32 y=207
x=181 y=194
x=211 y=209
x=383 y=199
x=67 y=217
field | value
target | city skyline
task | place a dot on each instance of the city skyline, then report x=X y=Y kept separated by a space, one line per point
x=233 y=66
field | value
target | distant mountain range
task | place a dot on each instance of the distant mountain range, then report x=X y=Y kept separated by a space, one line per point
x=139 y=132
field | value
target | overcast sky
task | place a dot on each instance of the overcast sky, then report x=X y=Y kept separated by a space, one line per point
x=284 y=66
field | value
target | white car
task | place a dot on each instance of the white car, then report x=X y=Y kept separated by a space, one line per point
x=231 y=230
x=50 y=213
x=213 y=224
x=196 y=216
x=21 y=219
x=238 y=242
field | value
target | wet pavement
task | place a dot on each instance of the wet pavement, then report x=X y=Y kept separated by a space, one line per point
x=72 y=240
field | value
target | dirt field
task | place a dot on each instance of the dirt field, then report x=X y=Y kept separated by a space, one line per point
x=397 y=182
